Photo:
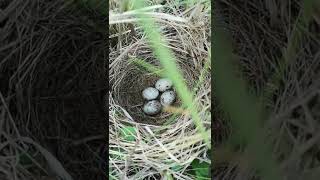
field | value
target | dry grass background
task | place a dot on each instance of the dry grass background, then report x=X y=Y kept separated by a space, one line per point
x=52 y=74
x=161 y=148
x=261 y=31
x=33 y=35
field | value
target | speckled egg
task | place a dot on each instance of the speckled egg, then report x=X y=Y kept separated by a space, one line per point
x=150 y=93
x=167 y=98
x=163 y=84
x=152 y=107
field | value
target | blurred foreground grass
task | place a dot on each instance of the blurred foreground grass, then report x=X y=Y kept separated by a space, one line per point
x=247 y=114
x=236 y=102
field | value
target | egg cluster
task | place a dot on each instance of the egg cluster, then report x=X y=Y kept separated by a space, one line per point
x=163 y=87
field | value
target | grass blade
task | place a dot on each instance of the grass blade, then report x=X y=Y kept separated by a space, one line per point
x=172 y=71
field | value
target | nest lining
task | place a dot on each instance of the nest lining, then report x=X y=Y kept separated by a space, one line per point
x=128 y=90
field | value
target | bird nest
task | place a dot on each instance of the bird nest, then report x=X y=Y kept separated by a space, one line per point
x=127 y=90
x=176 y=133
x=154 y=146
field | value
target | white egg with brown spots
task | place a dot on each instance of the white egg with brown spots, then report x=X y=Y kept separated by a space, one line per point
x=150 y=93
x=152 y=107
x=167 y=98
x=163 y=84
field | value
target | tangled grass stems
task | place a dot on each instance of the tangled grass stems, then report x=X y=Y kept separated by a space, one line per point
x=51 y=58
x=149 y=67
x=241 y=107
x=292 y=105
x=290 y=53
x=128 y=16
x=169 y=64
x=155 y=150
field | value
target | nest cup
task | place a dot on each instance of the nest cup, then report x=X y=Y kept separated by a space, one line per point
x=148 y=147
x=134 y=79
x=128 y=80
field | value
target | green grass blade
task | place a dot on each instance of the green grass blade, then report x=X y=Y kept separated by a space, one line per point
x=204 y=72
x=147 y=66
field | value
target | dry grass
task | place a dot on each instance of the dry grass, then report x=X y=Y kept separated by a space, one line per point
x=261 y=31
x=52 y=56
x=160 y=145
